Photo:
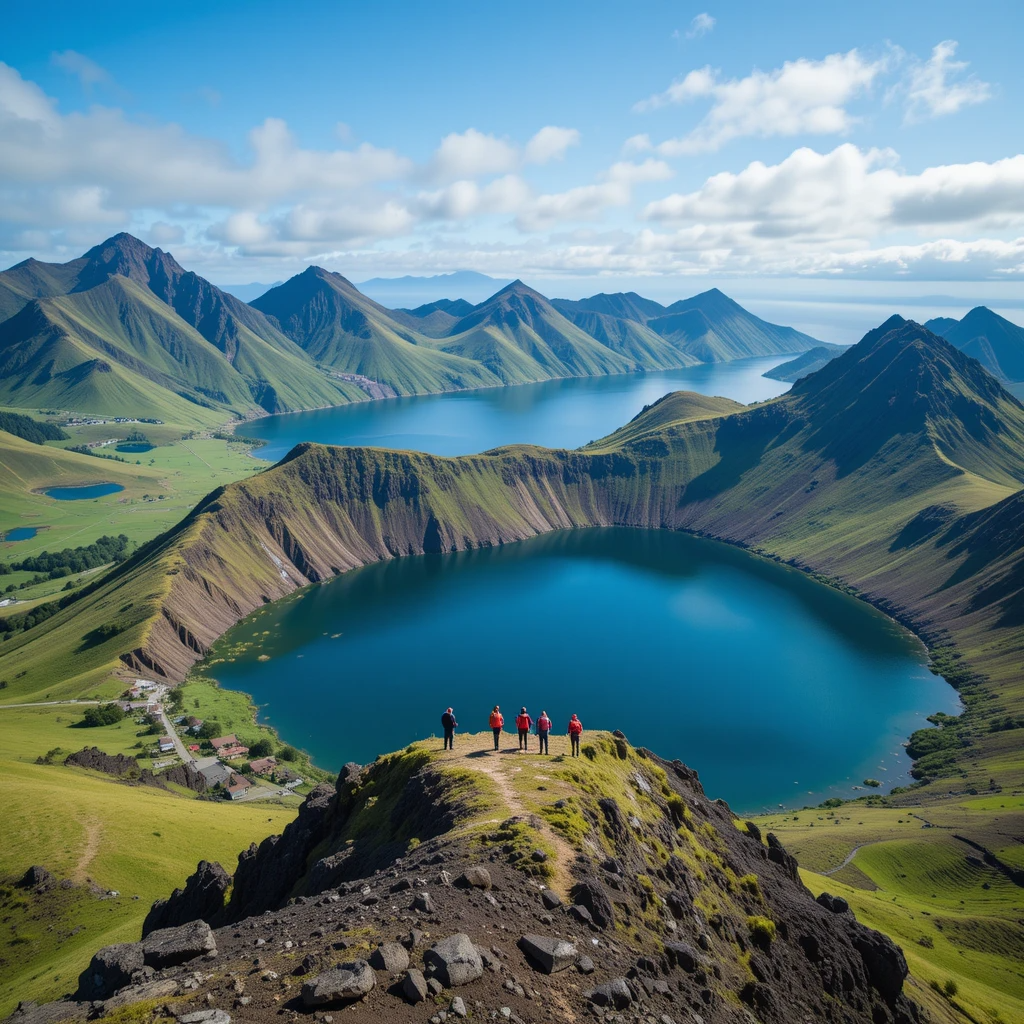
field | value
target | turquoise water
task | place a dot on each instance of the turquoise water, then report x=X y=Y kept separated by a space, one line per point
x=558 y=413
x=21 y=533
x=82 y=493
x=777 y=689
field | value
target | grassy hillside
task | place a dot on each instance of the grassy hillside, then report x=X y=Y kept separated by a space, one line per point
x=911 y=872
x=341 y=328
x=85 y=827
x=125 y=331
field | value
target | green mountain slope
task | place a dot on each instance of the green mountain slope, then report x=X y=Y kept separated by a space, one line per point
x=997 y=343
x=716 y=329
x=520 y=336
x=133 y=306
x=339 y=327
x=805 y=364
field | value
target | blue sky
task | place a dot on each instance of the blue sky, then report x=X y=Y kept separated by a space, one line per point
x=814 y=150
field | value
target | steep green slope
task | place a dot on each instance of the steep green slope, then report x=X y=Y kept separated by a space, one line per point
x=520 y=336
x=434 y=319
x=716 y=329
x=997 y=343
x=805 y=364
x=634 y=340
x=170 y=304
x=46 y=363
x=341 y=328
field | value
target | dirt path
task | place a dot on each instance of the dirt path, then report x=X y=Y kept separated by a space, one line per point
x=849 y=857
x=93 y=837
x=502 y=768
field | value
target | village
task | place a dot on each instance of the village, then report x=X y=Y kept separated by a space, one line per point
x=222 y=762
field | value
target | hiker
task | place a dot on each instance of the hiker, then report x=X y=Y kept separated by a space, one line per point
x=575 y=731
x=449 y=725
x=543 y=728
x=524 y=723
x=497 y=721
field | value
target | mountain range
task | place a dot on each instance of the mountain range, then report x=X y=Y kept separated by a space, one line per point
x=126 y=331
x=997 y=343
x=994 y=341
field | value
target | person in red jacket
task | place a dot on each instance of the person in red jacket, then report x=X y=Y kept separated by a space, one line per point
x=497 y=721
x=524 y=723
x=543 y=728
x=575 y=731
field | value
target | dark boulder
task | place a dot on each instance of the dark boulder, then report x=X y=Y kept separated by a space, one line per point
x=454 y=960
x=884 y=962
x=201 y=899
x=342 y=984
x=38 y=878
x=590 y=893
x=551 y=955
x=111 y=969
x=834 y=903
x=169 y=947
x=614 y=994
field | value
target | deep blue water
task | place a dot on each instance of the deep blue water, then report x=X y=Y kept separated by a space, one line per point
x=558 y=413
x=777 y=689
x=82 y=493
x=135 y=447
x=21 y=533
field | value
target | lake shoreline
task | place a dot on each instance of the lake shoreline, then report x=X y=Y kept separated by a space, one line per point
x=902 y=624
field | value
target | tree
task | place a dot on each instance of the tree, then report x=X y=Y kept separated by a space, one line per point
x=209 y=729
x=288 y=753
x=104 y=714
x=261 y=748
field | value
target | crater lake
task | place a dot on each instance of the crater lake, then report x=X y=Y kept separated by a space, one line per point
x=777 y=689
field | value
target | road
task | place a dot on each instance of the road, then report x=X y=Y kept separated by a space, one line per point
x=54 y=703
x=182 y=751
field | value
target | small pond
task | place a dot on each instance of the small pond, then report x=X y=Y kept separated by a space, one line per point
x=135 y=447
x=21 y=533
x=82 y=493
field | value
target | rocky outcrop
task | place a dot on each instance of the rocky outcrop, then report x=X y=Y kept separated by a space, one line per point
x=202 y=898
x=126 y=768
x=690 y=913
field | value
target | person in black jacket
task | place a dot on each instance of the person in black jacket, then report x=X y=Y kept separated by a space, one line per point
x=449 y=725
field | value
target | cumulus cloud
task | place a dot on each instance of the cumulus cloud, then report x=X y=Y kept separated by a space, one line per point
x=472 y=154
x=550 y=143
x=803 y=96
x=931 y=90
x=850 y=193
x=86 y=70
x=701 y=25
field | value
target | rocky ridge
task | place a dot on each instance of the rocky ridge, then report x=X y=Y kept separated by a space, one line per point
x=613 y=889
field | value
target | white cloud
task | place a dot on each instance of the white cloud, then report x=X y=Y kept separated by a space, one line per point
x=471 y=153
x=550 y=143
x=803 y=96
x=852 y=194
x=88 y=72
x=930 y=90
x=701 y=25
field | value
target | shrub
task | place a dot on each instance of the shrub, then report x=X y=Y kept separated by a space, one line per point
x=589 y=751
x=762 y=930
x=104 y=714
x=288 y=753
x=950 y=988
x=261 y=748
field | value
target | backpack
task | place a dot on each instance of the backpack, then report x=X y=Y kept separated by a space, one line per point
x=497 y=721
x=575 y=726
x=544 y=724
